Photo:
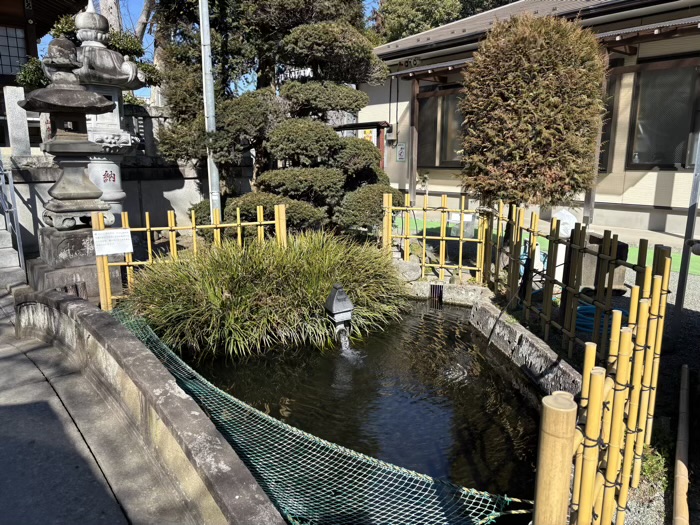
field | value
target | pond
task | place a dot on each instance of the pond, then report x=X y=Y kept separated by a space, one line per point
x=423 y=395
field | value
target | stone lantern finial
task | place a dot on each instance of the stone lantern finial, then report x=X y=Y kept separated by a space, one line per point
x=92 y=28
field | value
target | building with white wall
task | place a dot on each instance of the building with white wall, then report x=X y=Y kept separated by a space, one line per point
x=648 y=142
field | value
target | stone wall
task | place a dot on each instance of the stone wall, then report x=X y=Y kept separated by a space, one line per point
x=213 y=478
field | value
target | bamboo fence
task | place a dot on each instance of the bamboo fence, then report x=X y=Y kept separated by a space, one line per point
x=127 y=265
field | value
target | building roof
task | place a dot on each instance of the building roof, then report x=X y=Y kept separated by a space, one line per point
x=46 y=12
x=472 y=29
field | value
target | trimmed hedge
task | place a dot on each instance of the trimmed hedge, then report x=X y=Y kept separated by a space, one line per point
x=318 y=98
x=300 y=215
x=363 y=208
x=360 y=160
x=322 y=187
x=303 y=142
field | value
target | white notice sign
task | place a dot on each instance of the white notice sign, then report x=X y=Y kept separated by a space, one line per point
x=113 y=241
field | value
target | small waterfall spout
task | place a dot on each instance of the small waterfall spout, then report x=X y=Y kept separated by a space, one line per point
x=344 y=340
x=339 y=308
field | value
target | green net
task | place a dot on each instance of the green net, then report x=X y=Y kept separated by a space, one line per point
x=313 y=481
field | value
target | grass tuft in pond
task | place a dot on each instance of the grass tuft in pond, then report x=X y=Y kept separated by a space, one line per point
x=236 y=302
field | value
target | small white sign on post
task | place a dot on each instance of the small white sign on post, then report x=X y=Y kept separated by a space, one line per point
x=401 y=152
x=113 y=241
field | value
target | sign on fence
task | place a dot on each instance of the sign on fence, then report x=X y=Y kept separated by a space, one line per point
x=113 y=241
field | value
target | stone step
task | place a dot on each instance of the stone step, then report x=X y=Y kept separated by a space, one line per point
x=12 y=277
x=8 y=258
x=5 y=239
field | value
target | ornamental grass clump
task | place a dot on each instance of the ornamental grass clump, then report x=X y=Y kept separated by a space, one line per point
x=238 y=302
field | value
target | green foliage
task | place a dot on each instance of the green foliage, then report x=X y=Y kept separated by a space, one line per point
x=130 y=98
x=322 y=187
x=153 y=75
x=65 y=26
x=533 y=108
x=316 y=99
x=238 y=302
x=655 y=465
x=303 y=142
x=31 y=76
x=334 y=51
x=183 y=140
x=402 y=18
x=300 y=215
x=362 y=208
x=126 y=43
x=360 y=160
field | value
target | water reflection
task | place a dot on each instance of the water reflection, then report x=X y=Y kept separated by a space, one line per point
x=421 y=395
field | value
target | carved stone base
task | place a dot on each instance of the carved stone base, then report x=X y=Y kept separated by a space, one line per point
x=75 y=214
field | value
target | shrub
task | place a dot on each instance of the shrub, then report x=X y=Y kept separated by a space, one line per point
x=65 y=26
x=300 y=215
x=363 y=208
x=303 y=142
x=360 y=160
x=126 y=43
x=237 y=302
x=322 y=187
x=153 y=75
x=318 y=98
x=31 y=76
x=533 y=109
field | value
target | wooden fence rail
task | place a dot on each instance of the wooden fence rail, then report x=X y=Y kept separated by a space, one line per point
x=127 y=263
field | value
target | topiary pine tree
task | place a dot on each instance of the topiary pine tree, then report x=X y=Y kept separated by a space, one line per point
x=533 y=109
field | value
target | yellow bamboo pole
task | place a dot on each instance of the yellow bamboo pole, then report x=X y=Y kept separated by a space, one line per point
x=557 y=428
x=614 y=346
x=128 y=257
x=646 y=380
x=239 y=228
x=172 y=234
x=657 y=348
x=443 y=234
x=591 y=448
x=217 y=230
x=499 y=246
x=598 y=497
x=149 y=238
x=193 y=220
x=646 y=289
x=633 y=410
x=425 y=234
x=617 y=425
x=283 y=224
x=386 y=221
x=681 y=512
x=261 y=219
x=576 y=489
x=101 y=281
x=589 y=356
x=105 y=269
x=634 y=307
x=407 y=228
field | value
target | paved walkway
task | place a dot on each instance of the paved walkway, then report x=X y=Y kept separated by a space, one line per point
x=68 y=455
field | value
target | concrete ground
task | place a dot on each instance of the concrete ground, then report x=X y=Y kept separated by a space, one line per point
x=68 y=455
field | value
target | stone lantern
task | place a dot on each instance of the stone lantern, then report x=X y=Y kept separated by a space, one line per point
x=107 y=73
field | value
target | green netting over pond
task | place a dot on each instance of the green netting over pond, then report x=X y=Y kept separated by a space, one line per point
x=313 y=481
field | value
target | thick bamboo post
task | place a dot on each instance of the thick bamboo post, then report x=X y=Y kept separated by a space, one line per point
x=646 y=380
x=598 y=497
x=633 y=410
x=557 y=428
x=261 y=227
x=617 y=427
x=614 y=347
x=102 y=280
x=217 y=231
x=407 y=228
x=681 y=514
x=576 y=489
x=128 y=257
x=646 y=288
x=657 y=347
x=634 y=307
x=591 y=446
x=239 y=228
x=386 y=221
x=172 y=235
x=280 y=225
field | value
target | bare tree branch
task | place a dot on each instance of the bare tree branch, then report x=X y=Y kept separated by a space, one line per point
x=144 y=19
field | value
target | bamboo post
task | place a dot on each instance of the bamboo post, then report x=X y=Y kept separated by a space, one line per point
x=589 y=356
x=172 y=234
x=193 y=220
x=557 y=428
x=633 y=410
x=609 y=288
x=646 y=381
x=614 y=346
x=102 y=281
x=634 y=307
x=576 y=489
x=681 y=514
x=407 y=228
x=488 y=248
x=443 y=234
x=568 y=280
x=513 y=264
x=550 y=276
x=517 y=248
x=534 y=225
x=281 y=225
x=425 y=234
x=617 y=429
x=591 y=449
x=499 y=246
x=128 y=257
x=646 y=287
x=261 y=227
x=149 y=237
x=657 y=348
x=642 y=260
x=386 y=221
x=217 y=231
x=239 y=228
x=601 y=274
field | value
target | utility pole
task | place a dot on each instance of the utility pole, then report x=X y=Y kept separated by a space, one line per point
x=209 y=112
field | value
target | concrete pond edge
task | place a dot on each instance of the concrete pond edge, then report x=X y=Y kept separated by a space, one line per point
x=180 y=435
x=544 y=367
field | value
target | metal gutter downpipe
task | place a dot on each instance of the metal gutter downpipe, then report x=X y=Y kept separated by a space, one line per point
x=209 y=108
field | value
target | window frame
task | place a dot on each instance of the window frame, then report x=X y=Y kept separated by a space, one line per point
x=439 y=125
x=682 y=167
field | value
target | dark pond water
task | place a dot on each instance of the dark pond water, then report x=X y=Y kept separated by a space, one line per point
x=421 y=395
